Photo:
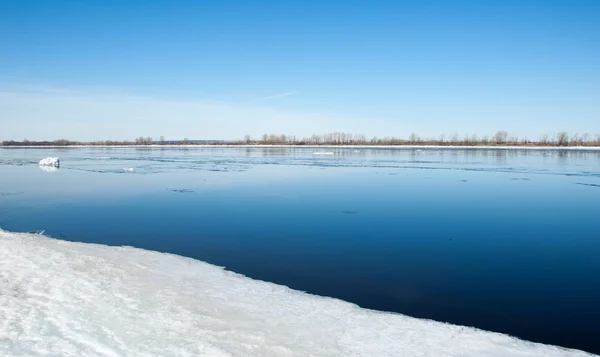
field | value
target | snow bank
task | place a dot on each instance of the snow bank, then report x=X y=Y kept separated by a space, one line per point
x=61 y=298
x=50 y=161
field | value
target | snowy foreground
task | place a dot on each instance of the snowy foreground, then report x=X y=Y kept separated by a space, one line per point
x=72 y=299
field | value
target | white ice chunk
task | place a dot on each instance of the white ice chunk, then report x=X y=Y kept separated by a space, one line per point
x=323 y=153
x=50 y=161
x=48 y=168
x=128 y=169
x=62 y=298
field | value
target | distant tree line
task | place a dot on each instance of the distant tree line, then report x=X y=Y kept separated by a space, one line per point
x=64 y=142
x=500 y=138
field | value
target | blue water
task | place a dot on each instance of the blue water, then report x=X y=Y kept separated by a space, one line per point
x=503 y=240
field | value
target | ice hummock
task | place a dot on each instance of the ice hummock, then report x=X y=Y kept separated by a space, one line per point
x=50 y=161
x=73 y=299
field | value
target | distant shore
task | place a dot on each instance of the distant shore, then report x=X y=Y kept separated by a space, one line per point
x=500 y=140
x=324 y=146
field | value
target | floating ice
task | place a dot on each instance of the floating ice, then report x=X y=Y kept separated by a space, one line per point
x=61 y=298
x=50 y=161
x=587 y=184
x=5 y=194
x=323 y=153
x=180 y=190
x=40 y=232
x=128 y=169
x=48 y=168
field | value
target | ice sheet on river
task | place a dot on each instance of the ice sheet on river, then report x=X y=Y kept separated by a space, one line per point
x=61 y=298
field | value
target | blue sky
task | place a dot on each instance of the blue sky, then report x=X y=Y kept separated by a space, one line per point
x=92 y=70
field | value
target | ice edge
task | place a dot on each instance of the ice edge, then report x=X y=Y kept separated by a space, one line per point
x=75 y=299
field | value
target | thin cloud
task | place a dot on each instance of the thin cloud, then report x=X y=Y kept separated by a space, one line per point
x=280 y=95
x=53 y=113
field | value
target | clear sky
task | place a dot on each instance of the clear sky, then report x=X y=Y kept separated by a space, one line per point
x=92 y=70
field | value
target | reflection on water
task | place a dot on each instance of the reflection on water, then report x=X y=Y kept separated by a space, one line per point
x=504 y=240
x=307 y=156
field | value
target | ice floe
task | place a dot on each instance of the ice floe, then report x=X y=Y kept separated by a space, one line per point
x=48 y=168
x=50 y=161
x=61 y=298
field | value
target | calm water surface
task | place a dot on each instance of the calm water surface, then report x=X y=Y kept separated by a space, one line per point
x=504 y=240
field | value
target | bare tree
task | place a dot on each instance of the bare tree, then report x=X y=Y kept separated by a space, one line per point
x=413 y=138
x=562 y=138
x=500 y=137
x=586 y=138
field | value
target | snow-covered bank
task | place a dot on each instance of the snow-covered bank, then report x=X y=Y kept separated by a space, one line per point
x=60 y=298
